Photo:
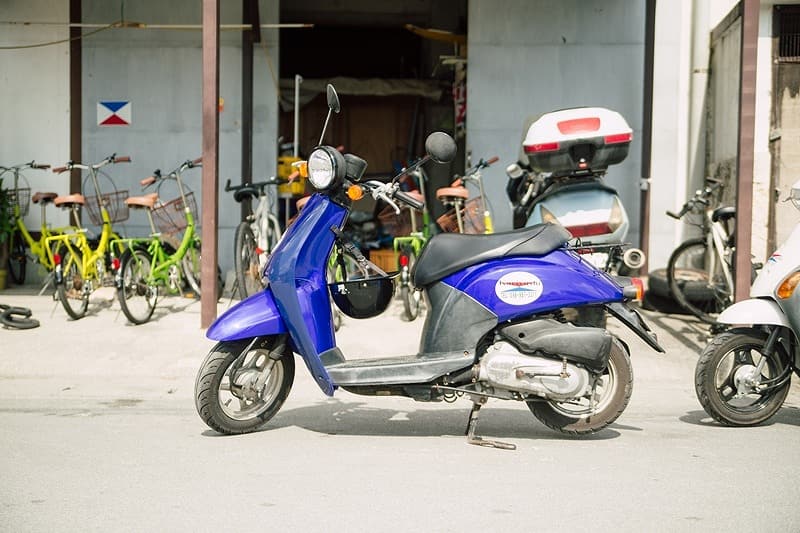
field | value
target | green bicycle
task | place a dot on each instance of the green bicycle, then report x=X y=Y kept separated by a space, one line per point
x=152 y=264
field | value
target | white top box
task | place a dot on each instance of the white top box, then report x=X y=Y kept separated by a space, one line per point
x=577 y=140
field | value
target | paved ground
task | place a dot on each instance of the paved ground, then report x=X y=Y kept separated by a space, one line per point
x=99 y=433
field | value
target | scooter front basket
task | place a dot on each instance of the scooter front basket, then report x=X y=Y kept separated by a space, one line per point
x=363 y=298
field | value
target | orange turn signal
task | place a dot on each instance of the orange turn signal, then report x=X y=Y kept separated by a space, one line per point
x=787 y=286
x=355 y=192
x=639 y=284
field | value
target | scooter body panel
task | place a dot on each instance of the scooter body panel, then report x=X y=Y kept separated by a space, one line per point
x=519 y=287
x=581 y=205
x=255 y=316
x=754 y=311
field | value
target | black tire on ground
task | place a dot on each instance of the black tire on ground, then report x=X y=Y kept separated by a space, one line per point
x=615 y=393
x=70 y=291
x=17 y=259
x=714 y=383
x=690 y=284
x=658 y=284
x=246 y=263
x=136 y=298
x=224 y=397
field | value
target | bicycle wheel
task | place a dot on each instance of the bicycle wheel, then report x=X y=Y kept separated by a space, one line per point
x=412 y=298
x=693 y=288
x=191 y=271
x=137 y=297
x=246 y=261
x=72 y=291
x=17 y=260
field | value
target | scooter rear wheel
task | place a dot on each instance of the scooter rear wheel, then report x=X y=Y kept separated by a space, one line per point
x=613 y=393
x=227 y=395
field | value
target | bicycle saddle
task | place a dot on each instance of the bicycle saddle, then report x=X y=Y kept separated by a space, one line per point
x=452 y=192
x=44 y=197
x=450 y=252
x=723 y=214
x=69 y=200
x=245 y=193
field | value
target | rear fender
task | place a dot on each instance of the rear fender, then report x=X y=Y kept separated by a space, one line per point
x=254 y=316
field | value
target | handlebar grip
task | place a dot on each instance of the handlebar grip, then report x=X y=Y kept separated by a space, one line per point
x=42 y=167
x=409 y=200
x=146 y=182
x=457 y=183
x=228 y=185
x=197 y=161
x=293 y=176
x=493 y=160
x=676 y=216
x=122 y=159
x=59 y=170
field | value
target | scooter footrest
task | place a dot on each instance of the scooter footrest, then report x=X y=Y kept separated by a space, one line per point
x=398 y=370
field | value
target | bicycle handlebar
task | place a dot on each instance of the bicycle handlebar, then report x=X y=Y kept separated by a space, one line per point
x=120 y=159
x=259 y=185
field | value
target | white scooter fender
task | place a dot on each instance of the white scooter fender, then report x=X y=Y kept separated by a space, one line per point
x=754 y=311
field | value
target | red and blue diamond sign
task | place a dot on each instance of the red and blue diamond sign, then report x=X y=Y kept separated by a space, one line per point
x=114 y=113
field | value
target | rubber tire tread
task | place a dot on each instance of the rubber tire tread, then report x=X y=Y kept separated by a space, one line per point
x=124 y=261
x=689 y=291
x=704 y=379
x=547 y=415
x=17 y=260
x=206 y=388
x=61 y=290
x=243 y=231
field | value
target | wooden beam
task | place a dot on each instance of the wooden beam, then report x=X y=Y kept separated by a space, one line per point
x=75 y=95
x=746 y=148
x=208 y=273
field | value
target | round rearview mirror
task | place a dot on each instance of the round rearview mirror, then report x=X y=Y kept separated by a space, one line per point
x=441 y=147
x=333 y=99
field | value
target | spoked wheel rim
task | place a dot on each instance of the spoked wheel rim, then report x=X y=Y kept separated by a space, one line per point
x=137 y=297
x=732 y=368
x=250 y=263
x=603 y=395
x=73 y=291
x=240 y=396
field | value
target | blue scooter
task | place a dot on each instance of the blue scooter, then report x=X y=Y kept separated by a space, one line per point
x=493 y=330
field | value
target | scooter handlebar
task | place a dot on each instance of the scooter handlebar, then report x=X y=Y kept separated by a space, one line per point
x=409 y=200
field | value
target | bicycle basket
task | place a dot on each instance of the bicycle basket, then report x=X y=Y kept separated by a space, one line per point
x=471 y=216
x=114 y=203
x=363 y=298
x=398 y=225
x=170 y=217
x=22 y=198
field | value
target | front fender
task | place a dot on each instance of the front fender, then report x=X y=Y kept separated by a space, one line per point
x=754 y=311
x=254 y=316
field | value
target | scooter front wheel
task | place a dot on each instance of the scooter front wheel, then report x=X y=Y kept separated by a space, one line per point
x=242 y=384
x=723 y=375
x=612 y=393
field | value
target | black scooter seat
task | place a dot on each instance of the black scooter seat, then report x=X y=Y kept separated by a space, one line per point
x=450 y=252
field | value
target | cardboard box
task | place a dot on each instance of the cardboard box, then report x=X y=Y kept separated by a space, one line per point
x=384 y=258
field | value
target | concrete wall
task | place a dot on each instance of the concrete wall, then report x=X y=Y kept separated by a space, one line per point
x=528 y=57
x=34 y=96
x=160 y=73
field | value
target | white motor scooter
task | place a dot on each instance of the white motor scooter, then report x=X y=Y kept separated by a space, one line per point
x=743 y=375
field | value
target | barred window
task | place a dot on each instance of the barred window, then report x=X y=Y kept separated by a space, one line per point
x=788 y=19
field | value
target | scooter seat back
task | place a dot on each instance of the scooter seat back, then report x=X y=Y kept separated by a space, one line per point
x=447 y=253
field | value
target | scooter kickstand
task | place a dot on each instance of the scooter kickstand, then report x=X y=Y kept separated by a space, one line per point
x=479 y=441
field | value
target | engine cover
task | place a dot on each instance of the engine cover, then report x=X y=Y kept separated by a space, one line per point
x=505 y=367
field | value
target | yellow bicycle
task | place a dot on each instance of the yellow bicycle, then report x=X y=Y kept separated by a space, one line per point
x=21 y=240
x=83 y=265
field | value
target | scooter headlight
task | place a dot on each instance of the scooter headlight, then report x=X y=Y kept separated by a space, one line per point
x=326 y=166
